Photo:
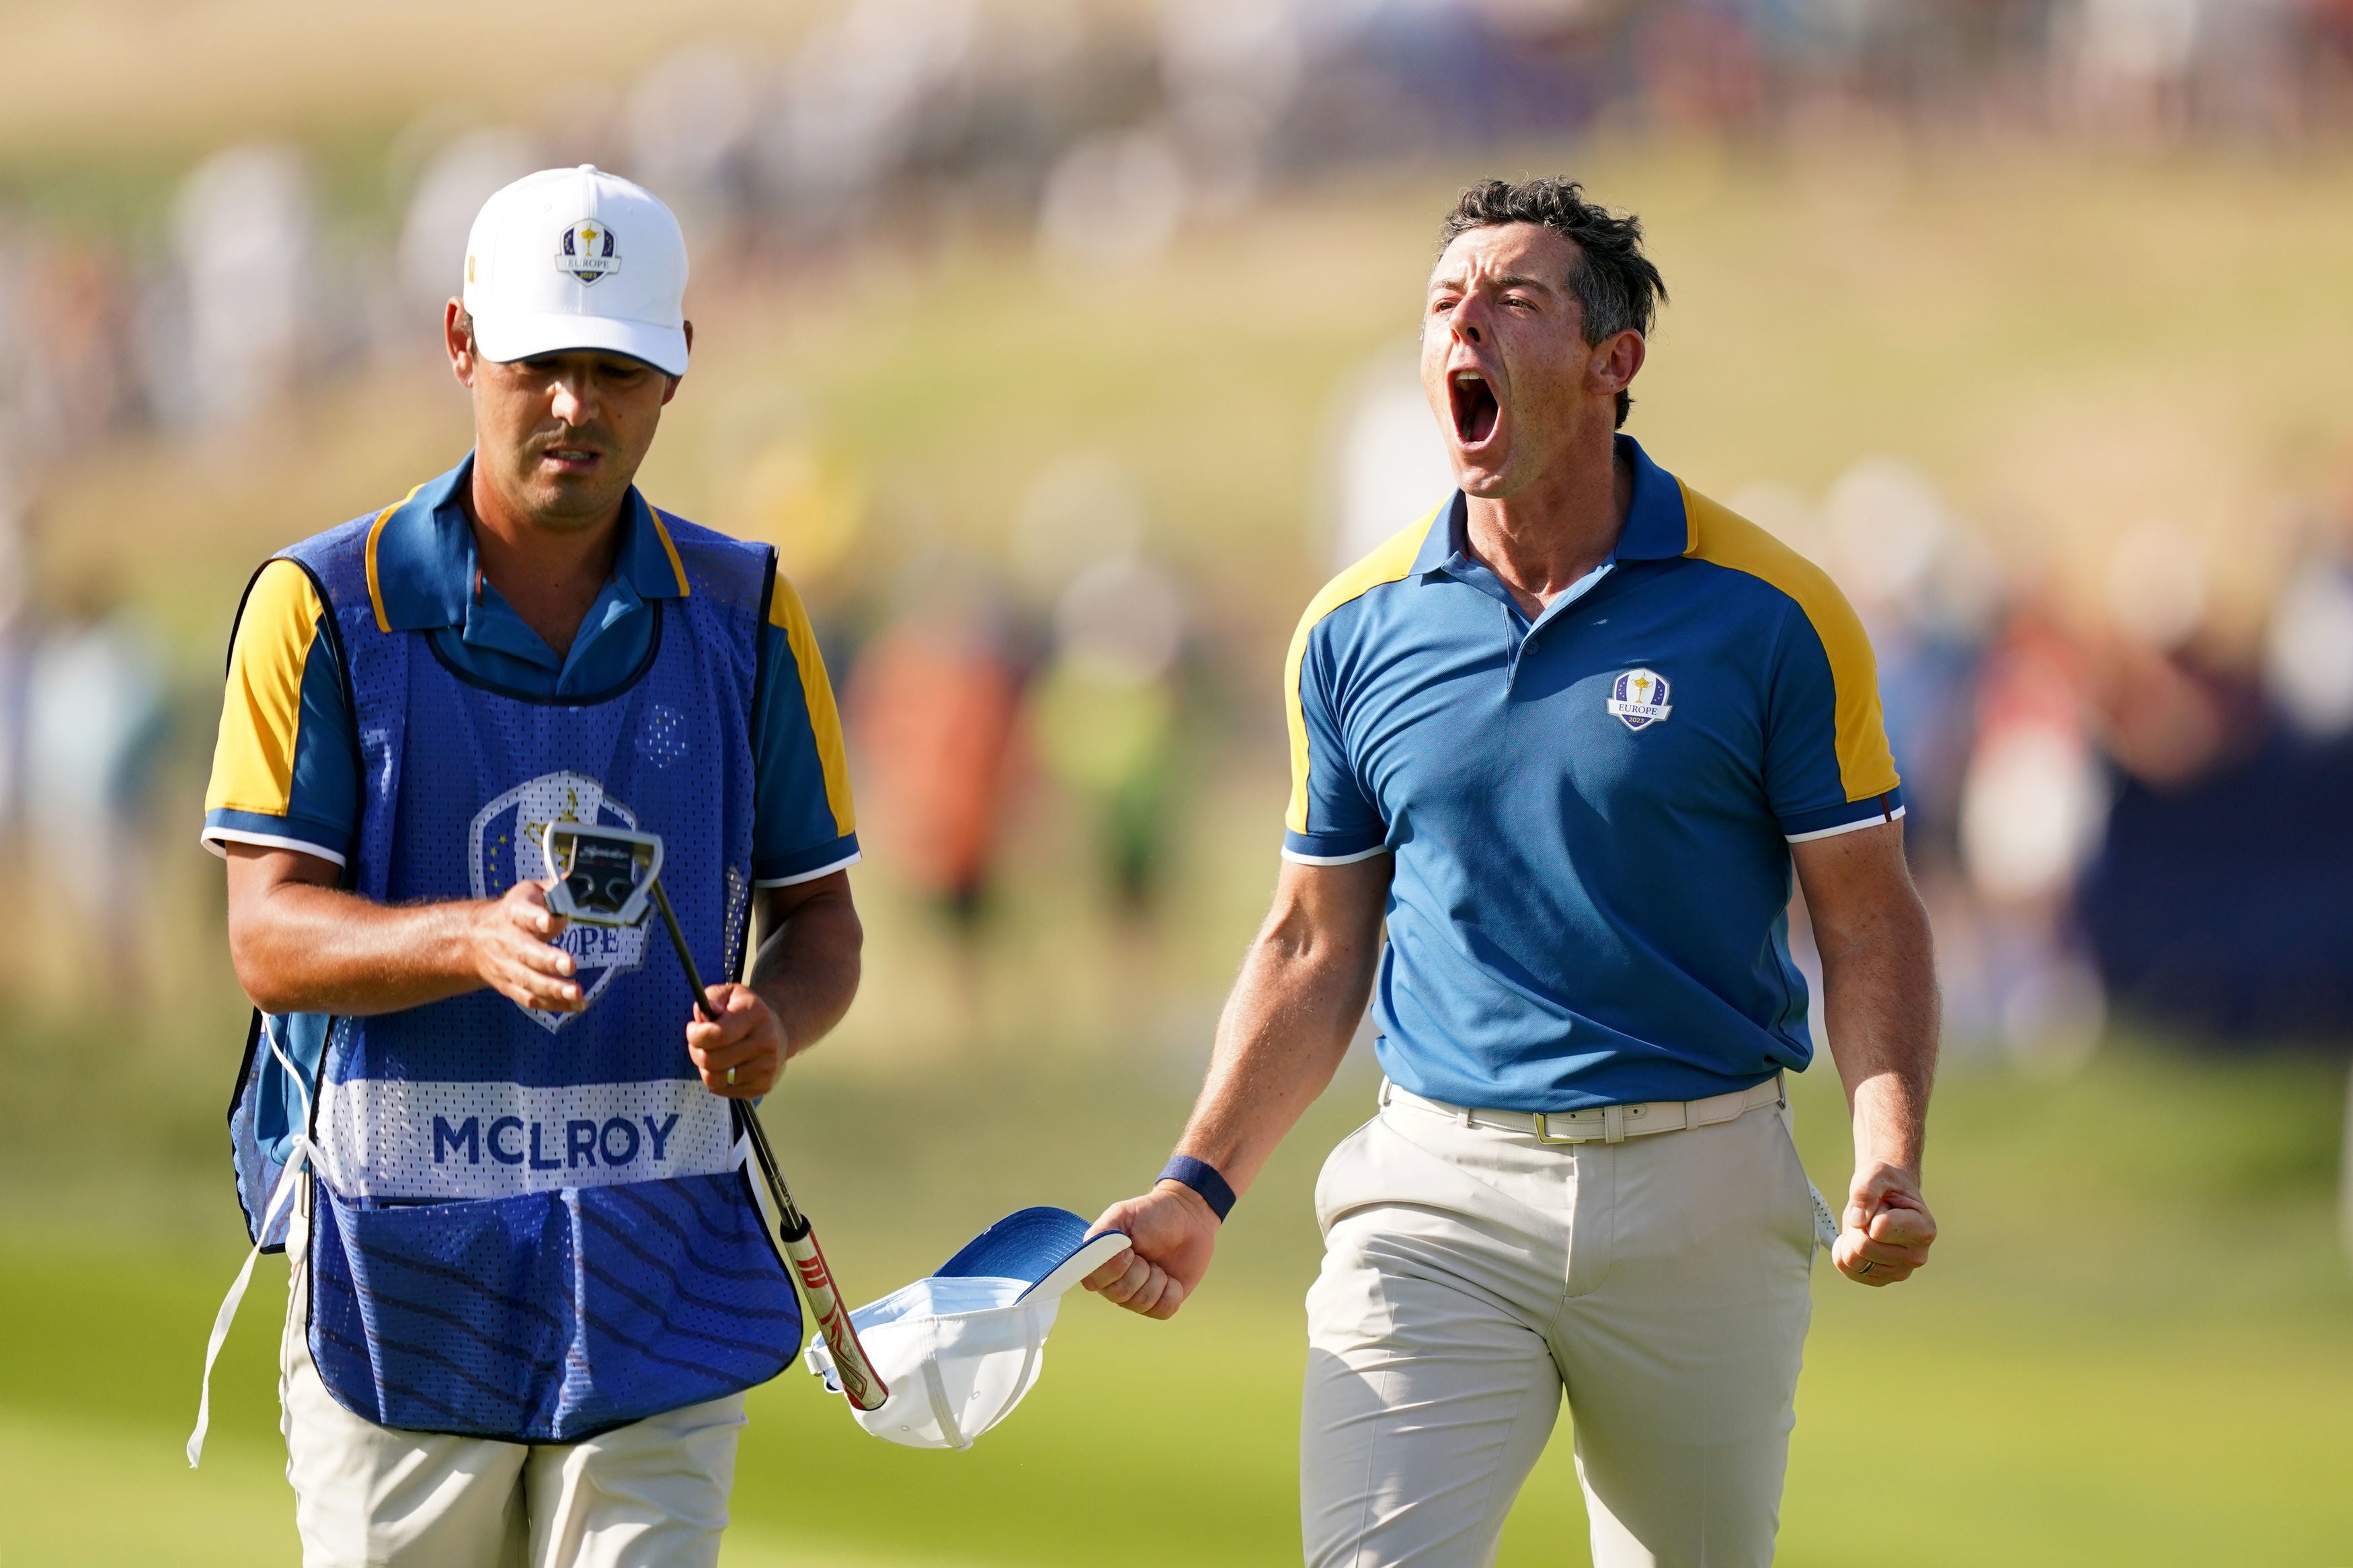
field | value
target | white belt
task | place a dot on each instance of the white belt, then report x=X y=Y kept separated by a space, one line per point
x=1603 y=1123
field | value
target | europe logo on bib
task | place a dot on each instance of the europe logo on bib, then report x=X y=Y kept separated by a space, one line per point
x=506 y=845
x=1638 y=699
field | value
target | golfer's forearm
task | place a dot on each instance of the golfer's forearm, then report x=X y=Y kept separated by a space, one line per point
x=1880 y=1003
x=1285 y=1030
x=808 y=969
x=305 y=949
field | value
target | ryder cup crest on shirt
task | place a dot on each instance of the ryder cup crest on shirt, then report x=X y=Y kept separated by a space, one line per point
x=1639 y=698
x=504 y=845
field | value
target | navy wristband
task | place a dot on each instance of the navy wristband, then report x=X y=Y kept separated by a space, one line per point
x=1203 y=1178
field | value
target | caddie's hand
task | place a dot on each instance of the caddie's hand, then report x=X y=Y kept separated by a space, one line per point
x=1171 y=1232
x=742 y=1055
x=1887 y=1229
x=512 y=941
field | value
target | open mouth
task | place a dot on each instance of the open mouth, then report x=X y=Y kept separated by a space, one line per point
x=1475 y=408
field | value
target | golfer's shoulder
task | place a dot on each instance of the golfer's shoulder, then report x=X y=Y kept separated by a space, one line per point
x=280 y=617
x=1328 y=612
x=736 y=571
x=282 y=710
x=1781 y=588
x=743 y=574
x=334 y=567
x=354 y=539
x=683 y=535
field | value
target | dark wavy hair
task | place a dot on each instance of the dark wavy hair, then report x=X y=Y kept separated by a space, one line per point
x=1617 y=284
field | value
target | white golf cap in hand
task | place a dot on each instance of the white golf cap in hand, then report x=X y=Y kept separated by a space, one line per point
x=577 y=259
x=959 y=1349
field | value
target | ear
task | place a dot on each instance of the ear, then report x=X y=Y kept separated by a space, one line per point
x=1614 y=364
x=458 y=342
x=670 y=390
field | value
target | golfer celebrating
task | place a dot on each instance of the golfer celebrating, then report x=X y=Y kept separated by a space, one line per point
x=530 y=1282
x=1565 y=737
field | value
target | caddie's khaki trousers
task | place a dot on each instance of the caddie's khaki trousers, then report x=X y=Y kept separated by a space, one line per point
x=1473 y=1274
x=652 y=1494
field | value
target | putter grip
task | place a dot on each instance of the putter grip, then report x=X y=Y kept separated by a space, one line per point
x=860 y=1385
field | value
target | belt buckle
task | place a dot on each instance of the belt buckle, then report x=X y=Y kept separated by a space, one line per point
x=1609 y=1129
x=1544 y=1129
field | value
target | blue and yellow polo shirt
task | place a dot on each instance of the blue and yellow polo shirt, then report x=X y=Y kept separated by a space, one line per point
x=1590 y=812
x=283 y=769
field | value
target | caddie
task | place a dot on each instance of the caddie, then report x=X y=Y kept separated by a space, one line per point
x=1567 y=738
x=531 y=1281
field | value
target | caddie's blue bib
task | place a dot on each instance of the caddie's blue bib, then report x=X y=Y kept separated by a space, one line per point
x=535 y=1227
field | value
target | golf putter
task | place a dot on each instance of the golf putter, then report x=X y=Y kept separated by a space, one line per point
x=607 y=876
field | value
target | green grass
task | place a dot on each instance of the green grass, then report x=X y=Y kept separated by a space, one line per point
x=2135 y=1347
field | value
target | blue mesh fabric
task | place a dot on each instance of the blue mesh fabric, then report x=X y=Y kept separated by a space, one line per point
x=535 y=1308
x=459 y=829
x=257 y=1173
x=259 y=1117
x=553 y=1316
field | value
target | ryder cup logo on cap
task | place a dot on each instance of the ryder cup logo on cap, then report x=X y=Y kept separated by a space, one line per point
x=1639 y=698
x=958 y=1350
x=577 y=259
x=582 y=256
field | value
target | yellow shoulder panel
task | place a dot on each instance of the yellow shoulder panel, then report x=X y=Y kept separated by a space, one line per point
x=670 y=548
x=375 y=532
x=253 y=760
x=1391 y=563
x=789 y=615
x=1866 y=767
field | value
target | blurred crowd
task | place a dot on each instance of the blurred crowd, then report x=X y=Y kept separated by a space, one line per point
x=2088 y=795
x=1066 y=665
x=2126 y=799
x=1101 y=127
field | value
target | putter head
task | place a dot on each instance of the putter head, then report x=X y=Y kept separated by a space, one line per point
x=602 y=876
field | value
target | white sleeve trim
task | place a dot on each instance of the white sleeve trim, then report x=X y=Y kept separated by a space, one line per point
x=1296 y=858
x=1895 y=815
x=852 y=858
x=214 y=837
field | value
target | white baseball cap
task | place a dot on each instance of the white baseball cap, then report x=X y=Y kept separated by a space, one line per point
x=958 y=1348
x=577 y=259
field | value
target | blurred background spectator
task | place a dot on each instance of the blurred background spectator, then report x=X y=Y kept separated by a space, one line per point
x=931 y=707
x=1105 y=713
x=93 y=703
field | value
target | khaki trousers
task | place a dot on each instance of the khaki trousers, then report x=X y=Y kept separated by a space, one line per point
x=652 y=1494
x=1473 y=1274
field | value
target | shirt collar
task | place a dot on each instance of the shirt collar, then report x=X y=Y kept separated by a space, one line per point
x=421 y=558
x=1657 y=527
